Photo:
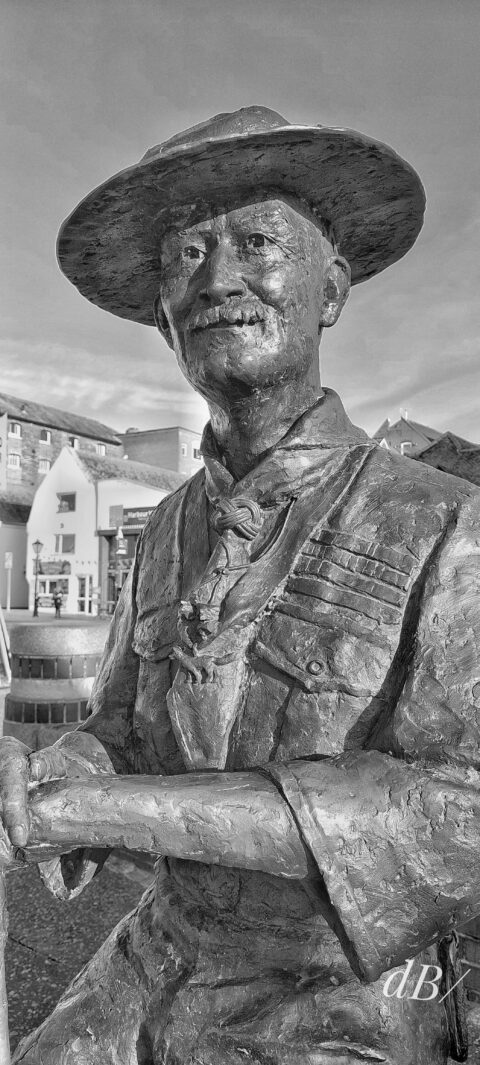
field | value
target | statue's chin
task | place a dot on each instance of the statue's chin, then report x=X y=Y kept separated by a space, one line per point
x=228 y=364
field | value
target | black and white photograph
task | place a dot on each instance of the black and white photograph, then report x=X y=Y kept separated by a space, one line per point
x=240 y=532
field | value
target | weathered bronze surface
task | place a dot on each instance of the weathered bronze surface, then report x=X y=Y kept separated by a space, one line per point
x=288 y=705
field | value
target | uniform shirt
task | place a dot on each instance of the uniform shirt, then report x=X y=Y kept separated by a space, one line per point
x=341 y=655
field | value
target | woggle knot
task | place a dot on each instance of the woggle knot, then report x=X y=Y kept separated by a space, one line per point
x=240 y=514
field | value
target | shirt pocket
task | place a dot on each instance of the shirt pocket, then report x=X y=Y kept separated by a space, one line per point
x=323 y=657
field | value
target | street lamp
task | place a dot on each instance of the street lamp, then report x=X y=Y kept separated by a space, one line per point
x=37 y=547
x=120 y=552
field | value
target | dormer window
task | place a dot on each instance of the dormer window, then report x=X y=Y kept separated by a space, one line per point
x=66 y=502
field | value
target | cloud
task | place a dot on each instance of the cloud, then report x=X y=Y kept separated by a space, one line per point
x=86 y=94
x=75 y=379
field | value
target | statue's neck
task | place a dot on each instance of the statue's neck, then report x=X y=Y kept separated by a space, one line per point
x=245 y=429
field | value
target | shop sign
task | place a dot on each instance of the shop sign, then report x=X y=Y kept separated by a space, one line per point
x=54 y=569
x=136 y=515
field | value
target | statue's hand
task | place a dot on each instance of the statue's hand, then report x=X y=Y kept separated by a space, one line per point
x=20 y=767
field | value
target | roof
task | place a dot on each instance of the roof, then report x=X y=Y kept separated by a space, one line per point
x=12 y=513
x=424 y=430
x=18 y=493
x=162 y=429
x=109 y=468
x=458 y=443
x=383 y=428
x=455 y=455
x=25 y=410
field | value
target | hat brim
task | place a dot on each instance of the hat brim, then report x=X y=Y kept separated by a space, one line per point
x=374 y=200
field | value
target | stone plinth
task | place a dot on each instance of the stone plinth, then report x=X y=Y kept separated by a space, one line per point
x=53 y=669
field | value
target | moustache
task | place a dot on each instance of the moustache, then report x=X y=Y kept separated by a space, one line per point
x=232 y=312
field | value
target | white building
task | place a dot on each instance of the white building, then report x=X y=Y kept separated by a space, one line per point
x=87 y=515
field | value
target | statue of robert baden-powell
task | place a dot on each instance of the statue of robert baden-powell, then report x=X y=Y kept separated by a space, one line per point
x=294 y=657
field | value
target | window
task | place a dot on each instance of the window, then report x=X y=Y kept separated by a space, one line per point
x=14 y=461
x=65 y=544
x=183 y=451
x=45 y=436
x=73 y=442
x=100 y=448
x=197 y=454
x=66 y=501
x=15 y=429
x=405 y=445
x=44 y=465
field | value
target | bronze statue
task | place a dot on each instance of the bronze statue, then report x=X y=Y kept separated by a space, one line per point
x=290 y=693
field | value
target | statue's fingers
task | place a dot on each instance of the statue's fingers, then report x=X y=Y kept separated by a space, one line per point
x=13 y=792
x=48 y=764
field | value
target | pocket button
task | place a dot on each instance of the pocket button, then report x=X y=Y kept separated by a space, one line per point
x=314 y=667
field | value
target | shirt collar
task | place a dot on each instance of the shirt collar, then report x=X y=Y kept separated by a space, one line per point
x=295 y=462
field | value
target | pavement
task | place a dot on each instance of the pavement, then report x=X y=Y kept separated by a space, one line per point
x=47 y=616
x=50 y=941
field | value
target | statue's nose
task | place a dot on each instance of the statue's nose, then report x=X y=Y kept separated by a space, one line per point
x=223 y=276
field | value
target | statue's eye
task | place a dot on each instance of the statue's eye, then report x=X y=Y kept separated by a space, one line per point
x=192 y=252
x=256 y=240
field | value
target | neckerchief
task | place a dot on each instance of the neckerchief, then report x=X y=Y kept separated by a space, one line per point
x=269 y=512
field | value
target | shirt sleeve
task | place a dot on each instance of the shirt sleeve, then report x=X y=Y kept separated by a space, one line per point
x=395 y=829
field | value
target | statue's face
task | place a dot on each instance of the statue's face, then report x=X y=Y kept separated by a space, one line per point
x=242 y=292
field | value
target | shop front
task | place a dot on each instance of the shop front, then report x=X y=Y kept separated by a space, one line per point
x=54 y=576
x=117 y=551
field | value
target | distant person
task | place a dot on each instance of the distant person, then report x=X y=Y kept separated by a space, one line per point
x=57 y=602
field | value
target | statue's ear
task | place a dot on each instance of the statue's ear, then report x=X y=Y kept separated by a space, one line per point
x=161 y=321
x=336 y=289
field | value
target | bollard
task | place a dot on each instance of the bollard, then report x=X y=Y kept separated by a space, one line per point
x=53 y=669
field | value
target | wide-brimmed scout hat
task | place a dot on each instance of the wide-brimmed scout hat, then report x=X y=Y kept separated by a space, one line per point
x=372 y=199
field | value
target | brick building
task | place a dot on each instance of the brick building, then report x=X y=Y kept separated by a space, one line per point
x=32 y=436
x=174 y=448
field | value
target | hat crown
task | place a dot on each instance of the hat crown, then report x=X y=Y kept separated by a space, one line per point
x=246 y=120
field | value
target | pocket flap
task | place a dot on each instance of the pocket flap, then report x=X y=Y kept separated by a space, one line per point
x=322 y=657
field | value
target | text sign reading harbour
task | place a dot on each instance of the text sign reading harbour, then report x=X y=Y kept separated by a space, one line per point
x=136 y=515
x=55 y=568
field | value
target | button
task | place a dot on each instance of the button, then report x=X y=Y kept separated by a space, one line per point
x=314 y=668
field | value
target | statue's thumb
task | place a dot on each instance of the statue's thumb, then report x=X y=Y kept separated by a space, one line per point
x=45 y=765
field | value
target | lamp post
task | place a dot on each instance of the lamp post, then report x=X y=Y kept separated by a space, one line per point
x=120 y=552
x=37 y=547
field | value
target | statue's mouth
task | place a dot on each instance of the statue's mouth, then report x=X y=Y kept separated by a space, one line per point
x=227 y=315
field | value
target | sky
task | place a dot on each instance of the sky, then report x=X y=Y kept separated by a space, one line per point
x=87 y=87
